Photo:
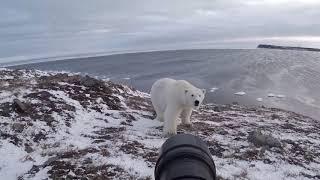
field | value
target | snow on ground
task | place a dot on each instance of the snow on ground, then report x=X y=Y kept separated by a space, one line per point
x=66 y=126
x=11 y=157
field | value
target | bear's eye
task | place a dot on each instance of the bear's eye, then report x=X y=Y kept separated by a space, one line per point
x=199 y=95
x=192 y=95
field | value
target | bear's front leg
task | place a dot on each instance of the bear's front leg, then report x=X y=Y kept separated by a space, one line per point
x=171 y=115
x=185 y=116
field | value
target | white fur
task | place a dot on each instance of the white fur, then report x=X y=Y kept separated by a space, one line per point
x=170 y=98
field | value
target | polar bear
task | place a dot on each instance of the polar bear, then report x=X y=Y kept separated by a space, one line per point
x=170 y=98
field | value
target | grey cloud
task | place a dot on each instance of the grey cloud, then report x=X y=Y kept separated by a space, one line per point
x=73 y=26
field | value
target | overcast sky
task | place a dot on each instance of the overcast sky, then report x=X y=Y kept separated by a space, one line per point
x=40 y=27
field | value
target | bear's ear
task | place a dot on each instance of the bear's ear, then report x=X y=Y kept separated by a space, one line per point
x=185 y=91
x=203 y=91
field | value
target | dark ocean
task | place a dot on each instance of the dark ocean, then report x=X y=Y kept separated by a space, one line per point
x=293 y=76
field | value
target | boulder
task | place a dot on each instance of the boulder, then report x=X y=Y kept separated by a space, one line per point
x=5 y=109
x=19 y=106
x=28 y=148
x=259 y=139
x=18 y=127
x=90 y=82
x=275 y=116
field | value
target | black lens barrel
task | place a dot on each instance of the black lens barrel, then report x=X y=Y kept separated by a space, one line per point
x=185 y=157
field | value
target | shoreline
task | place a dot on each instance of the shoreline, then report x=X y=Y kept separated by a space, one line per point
x=294 y=48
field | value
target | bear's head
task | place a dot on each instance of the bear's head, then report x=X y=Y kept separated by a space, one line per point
x=194 y=97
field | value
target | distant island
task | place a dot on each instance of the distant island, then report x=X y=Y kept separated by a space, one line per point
x=267 y=46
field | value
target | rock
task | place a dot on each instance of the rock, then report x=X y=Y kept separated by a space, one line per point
x=223 y=132
x=241 y=134
x=267 y=161
x=19 y=106
x=215 y=148
x=54 y=78
x=18 y=127
x=217 y=109
x=27 y=158
x=221 y=108
x=5 y=110
x=50 y=160
x=90 y=82
x=34 y=169
x=42 y=94
x=235 y=103
x=259 y=139
x=87 y=161
x=38 y=137
x=58 y=77
x=28 y=148
x=275 y=116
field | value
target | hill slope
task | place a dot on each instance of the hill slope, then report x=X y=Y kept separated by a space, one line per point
x=59 y=125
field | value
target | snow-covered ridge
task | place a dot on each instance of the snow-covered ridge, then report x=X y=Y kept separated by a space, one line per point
x=60 y=125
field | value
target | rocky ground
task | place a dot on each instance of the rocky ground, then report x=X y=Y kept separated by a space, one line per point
x=67 y=126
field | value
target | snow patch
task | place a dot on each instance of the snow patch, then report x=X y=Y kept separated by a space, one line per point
x=13 y=165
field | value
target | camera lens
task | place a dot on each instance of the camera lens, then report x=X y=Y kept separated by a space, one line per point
x=185 y=157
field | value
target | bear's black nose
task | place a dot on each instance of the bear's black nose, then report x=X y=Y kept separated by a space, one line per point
x=196 y=103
